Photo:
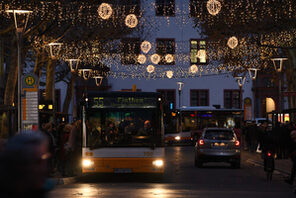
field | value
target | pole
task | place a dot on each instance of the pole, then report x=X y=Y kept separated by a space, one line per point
x=280 y=93
x=19 y=85
x=74 y=109
x=180 y=98
x=240 y=97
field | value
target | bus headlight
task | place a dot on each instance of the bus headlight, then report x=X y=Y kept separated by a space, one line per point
x=158 y=163
x=177 y=138
x=87 y=163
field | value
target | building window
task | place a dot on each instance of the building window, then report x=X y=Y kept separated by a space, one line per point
x=164 y=47
x=199 y=97
x=169 y=98
x=130 y=49
x=198 y=46
x=195 y=7
x=130 y=6
x=232 y=99
x=165 y=7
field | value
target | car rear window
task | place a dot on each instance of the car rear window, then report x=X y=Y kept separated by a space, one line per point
x=219 y=135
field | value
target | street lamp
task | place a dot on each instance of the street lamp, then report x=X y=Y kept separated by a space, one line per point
x=54 y=49
x=73 y=64
x=241 y=82
x=253 y=73
x=278 y=66
x=180 y=86
x=21 y=18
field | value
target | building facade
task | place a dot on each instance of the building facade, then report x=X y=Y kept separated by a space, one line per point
x=172 y=31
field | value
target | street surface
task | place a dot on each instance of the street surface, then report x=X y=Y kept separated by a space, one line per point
x=182 y=179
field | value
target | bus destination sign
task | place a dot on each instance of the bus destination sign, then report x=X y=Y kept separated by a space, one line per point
x=122 y=102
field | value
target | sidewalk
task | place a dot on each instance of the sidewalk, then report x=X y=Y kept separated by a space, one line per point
x=64 y=180
x=58 y=179
x=282 y=165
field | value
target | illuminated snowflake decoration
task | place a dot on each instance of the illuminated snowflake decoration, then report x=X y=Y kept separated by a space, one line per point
x=169 y=58
x=145 y=46
x=214 y=7
x=105 y=11
x=232 y=42
x=155 y=58
x=150 y=69
x=170 y=74
x=131 y=21
x=142 y=59
x=193 y=69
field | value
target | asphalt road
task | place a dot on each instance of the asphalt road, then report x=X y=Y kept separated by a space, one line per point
x=182 y=179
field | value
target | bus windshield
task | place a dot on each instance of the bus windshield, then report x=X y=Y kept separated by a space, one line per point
x=123 y=127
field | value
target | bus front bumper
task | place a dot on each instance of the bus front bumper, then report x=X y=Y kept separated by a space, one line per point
x=123 y=165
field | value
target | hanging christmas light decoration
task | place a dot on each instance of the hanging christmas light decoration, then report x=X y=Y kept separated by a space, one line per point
x=131 y=21
x=150 y=69
x=142 y=59
x=145 y=46
x=155 y=58
x=232 y=42
x=105 y=11
x=253 y=73
x=73 y=64
x=193 y=69
x=170 y=74
x=214 y=7
x=169 y=58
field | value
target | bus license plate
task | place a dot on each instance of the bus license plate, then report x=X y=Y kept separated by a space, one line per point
x=123 y=170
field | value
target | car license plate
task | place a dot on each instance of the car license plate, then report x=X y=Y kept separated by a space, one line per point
x=220 y=144
x=123 y=170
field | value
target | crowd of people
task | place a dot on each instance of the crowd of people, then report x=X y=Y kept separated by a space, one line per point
x=256 y=137
x=64 y=143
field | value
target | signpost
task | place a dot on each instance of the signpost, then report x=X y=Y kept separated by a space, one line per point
x=30 y=110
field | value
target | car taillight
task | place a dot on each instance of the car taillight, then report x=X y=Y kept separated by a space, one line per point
x=237 y=143
x=201 y=142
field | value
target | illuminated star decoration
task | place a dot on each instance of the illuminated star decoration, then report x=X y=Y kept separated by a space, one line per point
x=214 y=7
x=170 y=74
x=193 y=69
x=155 y=58
x=142 y=59
x=232 y=42
x=145 y=46
x=105 y=11
x=131 y=21
x=150 y=69
x=169 y=58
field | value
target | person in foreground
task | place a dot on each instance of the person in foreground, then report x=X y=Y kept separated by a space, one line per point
x=23 y=166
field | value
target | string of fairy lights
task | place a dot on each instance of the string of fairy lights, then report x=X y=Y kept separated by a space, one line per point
x=243 y=50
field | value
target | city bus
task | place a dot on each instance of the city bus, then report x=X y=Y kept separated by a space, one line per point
x=186 y=124
x=122 y=132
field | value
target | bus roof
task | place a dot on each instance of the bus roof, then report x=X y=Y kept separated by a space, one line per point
x=206 y=108
x=92 y=94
